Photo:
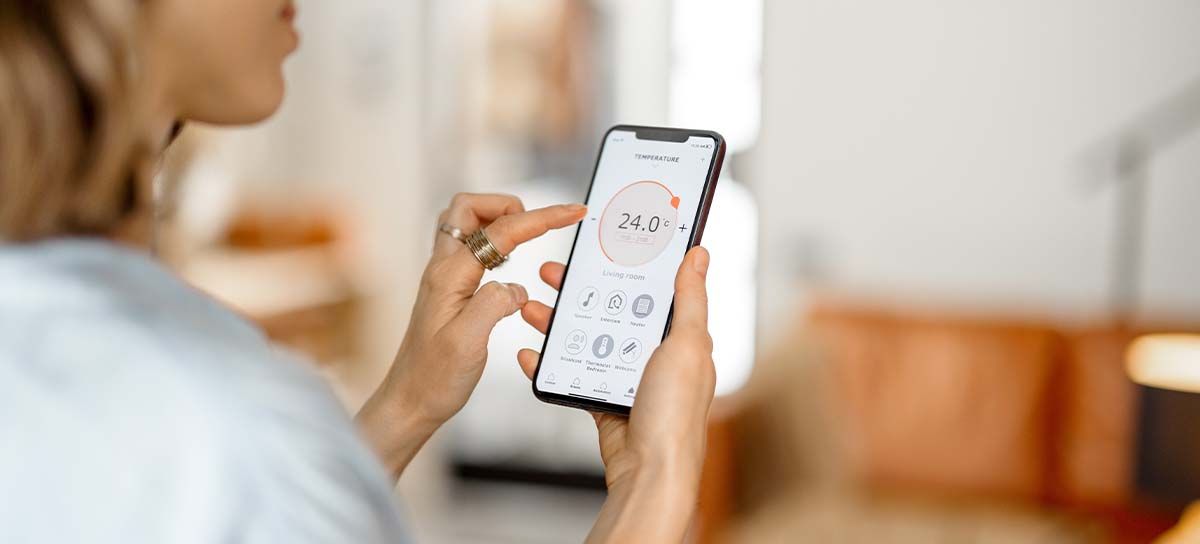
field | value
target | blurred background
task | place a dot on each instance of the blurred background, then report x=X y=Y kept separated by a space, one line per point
x=940 y=228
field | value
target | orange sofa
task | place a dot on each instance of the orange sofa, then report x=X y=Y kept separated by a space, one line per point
x=956 y=420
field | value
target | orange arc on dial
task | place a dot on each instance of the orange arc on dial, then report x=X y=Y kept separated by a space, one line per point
x=674 y=204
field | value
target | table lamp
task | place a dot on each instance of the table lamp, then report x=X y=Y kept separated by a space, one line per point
x=1168 y=442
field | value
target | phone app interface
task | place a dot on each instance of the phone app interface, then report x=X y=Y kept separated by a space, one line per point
x=618 y=292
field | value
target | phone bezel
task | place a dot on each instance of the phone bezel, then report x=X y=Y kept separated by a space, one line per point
x=698 y=222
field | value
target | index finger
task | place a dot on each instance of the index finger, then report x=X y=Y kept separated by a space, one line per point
x=510 y=231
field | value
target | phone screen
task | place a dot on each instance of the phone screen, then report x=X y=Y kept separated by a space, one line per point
x=617 y=295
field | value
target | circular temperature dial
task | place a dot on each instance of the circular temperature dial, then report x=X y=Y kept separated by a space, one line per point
x=637 y=224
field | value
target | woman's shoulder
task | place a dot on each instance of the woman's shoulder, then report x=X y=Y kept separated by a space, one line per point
x=94 y=318
x=119 y=382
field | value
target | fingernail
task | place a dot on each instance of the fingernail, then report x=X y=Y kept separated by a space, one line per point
x=701 y=261
x=520 y=293
x=576 y=208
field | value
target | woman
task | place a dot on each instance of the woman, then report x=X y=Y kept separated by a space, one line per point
x=134 y=409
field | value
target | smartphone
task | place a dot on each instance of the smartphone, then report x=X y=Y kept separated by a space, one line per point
x=647 y=205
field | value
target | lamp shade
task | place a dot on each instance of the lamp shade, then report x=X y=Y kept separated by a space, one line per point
x=1166 y=361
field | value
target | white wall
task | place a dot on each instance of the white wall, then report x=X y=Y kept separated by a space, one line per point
x=349 y=132
x=932 y=150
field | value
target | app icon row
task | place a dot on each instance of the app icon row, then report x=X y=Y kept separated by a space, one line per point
x=629 y=350
x=551 y=379
x=615 y=302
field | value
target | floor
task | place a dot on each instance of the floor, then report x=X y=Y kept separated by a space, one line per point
x=488 y=512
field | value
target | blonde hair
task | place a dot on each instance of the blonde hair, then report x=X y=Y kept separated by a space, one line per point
x=71 y=157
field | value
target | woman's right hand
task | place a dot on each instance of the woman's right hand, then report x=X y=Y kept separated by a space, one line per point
x=444 y=351
x=653 y=458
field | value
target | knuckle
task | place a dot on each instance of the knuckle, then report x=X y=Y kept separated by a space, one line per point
x=501 y=225
x=514 y=199
x=460 y=199
x=696 y=346
x=495 y=293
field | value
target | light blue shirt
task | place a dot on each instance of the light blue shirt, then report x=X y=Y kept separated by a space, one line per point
x=135 y=409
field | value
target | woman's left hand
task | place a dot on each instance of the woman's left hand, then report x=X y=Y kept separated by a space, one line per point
x=443 y=353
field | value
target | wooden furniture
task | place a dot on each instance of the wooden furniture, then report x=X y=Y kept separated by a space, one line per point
x=955 y=421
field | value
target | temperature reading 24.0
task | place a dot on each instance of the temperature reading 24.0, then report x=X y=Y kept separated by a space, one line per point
x=636 y=224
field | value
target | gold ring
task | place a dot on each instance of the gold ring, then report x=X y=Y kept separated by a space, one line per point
x=483 y=249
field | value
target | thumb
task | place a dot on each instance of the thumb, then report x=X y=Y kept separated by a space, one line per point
x=491 y=303
x=691 y=293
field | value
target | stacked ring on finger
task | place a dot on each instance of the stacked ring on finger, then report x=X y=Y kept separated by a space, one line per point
x=483 y=249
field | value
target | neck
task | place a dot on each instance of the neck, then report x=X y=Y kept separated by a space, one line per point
x=139 y=230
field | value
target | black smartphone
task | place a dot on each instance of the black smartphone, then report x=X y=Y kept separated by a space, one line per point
x=647 y=204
